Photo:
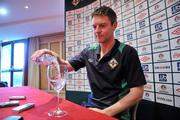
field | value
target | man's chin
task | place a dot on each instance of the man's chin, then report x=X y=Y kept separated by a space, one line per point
x=100 y=40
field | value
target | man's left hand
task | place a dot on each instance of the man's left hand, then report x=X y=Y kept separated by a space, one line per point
x=98 y=110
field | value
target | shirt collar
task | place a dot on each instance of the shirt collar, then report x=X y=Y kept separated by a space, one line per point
x=98 y=50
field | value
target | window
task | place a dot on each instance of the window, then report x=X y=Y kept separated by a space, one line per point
x=12 y=62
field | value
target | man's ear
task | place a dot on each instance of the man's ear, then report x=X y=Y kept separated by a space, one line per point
x=115 y=25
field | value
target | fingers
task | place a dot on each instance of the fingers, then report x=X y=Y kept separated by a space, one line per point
x=39 y=53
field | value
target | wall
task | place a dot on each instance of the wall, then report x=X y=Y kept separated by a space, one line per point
x=150 y=26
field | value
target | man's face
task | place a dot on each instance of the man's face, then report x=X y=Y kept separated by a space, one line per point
x=103 y=29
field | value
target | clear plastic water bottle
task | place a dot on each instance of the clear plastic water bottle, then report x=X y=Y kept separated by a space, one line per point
x=46 y=59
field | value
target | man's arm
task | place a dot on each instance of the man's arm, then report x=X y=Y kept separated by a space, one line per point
x=134 y=96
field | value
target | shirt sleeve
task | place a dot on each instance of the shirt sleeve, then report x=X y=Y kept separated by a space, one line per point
x=78 y=61
x=133 y=70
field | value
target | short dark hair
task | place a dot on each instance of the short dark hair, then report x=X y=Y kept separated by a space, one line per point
x=106 y=11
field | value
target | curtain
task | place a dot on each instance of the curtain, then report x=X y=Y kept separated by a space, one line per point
x=33 y=69
x=0 y=59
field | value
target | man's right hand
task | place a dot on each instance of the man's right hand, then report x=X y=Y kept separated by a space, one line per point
x=39 y=53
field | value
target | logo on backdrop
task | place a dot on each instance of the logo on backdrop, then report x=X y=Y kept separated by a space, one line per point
x=163 y=77
x=163 y=87
x=75 y=2
x=158 y=26
x=176 y=31
x=145 y=67
x=178 y=66
x=178 y=41
x=142 y=24
x=175 y=9
x=161 y=56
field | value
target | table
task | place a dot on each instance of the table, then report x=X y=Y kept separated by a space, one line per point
x=45 y=102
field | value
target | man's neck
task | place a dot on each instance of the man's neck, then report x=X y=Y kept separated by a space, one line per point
x=106 y=47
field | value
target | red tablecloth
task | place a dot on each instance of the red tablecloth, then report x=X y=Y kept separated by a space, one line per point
x=44 y=103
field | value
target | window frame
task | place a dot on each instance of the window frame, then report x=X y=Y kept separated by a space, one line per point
x=12 y=70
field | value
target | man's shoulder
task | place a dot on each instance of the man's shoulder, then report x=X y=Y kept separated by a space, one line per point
x=125 y=48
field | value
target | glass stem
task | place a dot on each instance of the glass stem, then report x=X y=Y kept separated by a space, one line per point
x=58 y=100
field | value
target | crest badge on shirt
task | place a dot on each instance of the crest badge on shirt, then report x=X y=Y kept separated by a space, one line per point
x=113 y=63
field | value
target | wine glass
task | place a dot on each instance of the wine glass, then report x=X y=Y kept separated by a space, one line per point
x=57 y=75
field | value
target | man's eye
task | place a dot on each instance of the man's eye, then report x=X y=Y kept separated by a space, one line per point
x=102 y=26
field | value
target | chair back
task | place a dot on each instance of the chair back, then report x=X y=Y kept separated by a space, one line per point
x=133 y=111
x=3 y=84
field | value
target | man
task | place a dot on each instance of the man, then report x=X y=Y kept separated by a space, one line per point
x=113 y=69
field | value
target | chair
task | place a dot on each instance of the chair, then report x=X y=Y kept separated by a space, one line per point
x=133 y=111
x=3 y=84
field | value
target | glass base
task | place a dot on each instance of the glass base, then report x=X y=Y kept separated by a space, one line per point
x=57 y=113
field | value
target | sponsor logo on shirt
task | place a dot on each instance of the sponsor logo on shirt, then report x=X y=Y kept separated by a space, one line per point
x=113 y=63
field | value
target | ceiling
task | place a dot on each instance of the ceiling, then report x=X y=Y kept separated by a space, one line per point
x=42 y=17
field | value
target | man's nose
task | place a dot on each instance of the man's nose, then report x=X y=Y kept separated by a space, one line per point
x=97 y=30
